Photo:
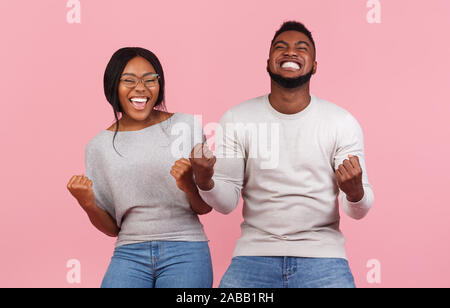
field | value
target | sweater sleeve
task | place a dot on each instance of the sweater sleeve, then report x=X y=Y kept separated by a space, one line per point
x=93 y=166
x=229 y=169
x=350 y=141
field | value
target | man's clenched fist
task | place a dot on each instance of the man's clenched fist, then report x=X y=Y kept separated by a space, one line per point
x=349 y=179
x=203 y=161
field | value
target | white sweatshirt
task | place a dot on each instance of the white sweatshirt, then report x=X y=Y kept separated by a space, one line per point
x=284 y=165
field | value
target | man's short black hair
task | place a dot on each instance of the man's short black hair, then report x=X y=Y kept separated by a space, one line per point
x=294 y=26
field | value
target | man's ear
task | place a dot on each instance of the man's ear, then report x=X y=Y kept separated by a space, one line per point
x=315 y=67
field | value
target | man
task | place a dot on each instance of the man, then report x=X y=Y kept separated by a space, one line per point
x=290 y=153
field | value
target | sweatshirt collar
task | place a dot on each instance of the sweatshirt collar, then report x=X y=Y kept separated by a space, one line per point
x=294 y=116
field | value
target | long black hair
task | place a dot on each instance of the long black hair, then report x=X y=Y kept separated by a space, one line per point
x=113 y=74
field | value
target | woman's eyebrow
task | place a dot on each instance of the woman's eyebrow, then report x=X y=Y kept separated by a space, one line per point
x=131 y=74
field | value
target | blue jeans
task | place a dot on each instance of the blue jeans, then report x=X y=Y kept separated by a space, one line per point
x=160 y=264
x=287 y=272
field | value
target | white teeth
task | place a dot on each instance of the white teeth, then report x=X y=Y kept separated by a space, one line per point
x=291 y=65
x=139 y=100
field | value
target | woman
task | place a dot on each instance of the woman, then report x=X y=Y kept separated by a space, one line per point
x=139 y=185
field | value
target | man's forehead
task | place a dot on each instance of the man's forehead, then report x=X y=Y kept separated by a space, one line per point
x=292 y=35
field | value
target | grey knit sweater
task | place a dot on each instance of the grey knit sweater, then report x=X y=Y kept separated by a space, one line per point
x=137 y=189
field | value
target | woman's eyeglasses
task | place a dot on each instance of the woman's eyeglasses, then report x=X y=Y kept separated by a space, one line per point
x=149 y=81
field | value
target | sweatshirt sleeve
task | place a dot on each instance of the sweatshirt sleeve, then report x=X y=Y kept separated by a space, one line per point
x=350 y=141
x=229 y=169
x=93 y=166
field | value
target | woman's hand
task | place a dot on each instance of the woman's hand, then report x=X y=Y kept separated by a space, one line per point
x=183 y=175
x=81 y=188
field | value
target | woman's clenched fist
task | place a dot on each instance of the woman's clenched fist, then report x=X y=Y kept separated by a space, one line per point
x=81 y=188
x=182 y=173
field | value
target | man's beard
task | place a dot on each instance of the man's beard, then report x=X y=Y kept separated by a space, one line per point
x=290 y=83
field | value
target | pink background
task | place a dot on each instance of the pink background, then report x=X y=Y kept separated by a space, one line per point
x=393 y=77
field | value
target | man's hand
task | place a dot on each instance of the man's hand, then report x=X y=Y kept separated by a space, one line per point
x=182 y=173
x=203 y=161
x=349 y=179
x=81 y=188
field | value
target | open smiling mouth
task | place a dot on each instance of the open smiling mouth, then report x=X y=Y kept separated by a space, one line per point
x=291 y=66
x=139 y=103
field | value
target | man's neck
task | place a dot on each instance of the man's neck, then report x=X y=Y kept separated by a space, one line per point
x=289 y=101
